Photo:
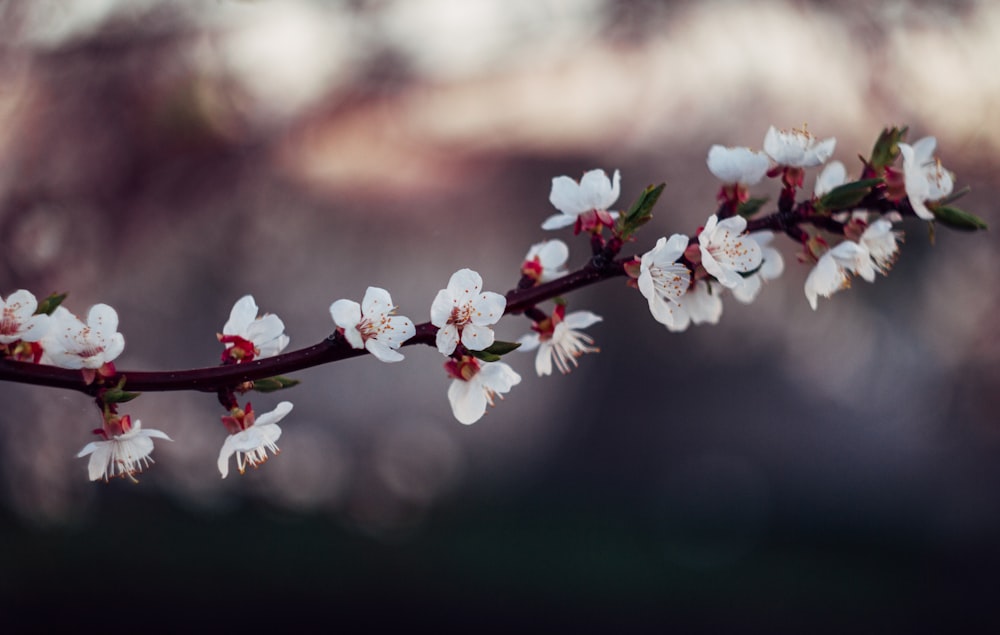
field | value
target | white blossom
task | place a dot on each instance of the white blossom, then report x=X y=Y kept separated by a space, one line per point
x=18 y=320
x=265 y=334
x=726 y=252
x=881 y=242
x=662 y=280
x=462 y=311
x=797 y=148
x=737 y=165
x=561 y=341
x=252 y=438
x=831 y=273
x=772 y=265
x=700 y=305
x=546 y=260
x=923 y=176
x=371 y=325
x=124 y=452
x=475 y=384
x=586 y=202
x=70 y=343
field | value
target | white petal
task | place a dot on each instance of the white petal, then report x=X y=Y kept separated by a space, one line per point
x=581 y=319
x=468 y=400
x=528 y=342
x=832 y=176
x=441 y=307
x=447 y=339
x=488 y=308
x=103 y=319
x=274 y=416
x=347 y=315
x=464 y=284
x=558 y=221
x=398 y=329
x=476 y=337
x=566 y=197
x=382 y=351
x=553 y=254
x=376 y=302
x=543 y=360
x=243 y=313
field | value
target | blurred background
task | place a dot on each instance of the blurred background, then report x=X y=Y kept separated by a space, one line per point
x=783 y=468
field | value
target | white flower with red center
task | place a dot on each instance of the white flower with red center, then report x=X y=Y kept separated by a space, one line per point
x=475 y=384
x=247 y=336
x=772 y=265
x=831 y=273
x=662 y=280
x=371 y=325
x=881 y=242
x=740 y=166
x=463 y=312
x=70 y=343
x=124 y=451
x=726 y=252
x=923 y=176
x=584 y=204
x=546 y=261
x=797 y=148
x=560 y=339
x=18 y=321
x=251 y=436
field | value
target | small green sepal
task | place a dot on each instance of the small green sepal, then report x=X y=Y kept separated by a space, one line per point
x=847 y=195
x=886 y=148
x=49 y=304
x=958 y=219
x=640 y=213
x=751 y=206
x=496 y=351
x=274 y=384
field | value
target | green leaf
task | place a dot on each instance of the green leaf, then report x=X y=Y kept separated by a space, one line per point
x=274 y=384
x=847 y=195
x=886 y=148
x=751 y=206
x=49 y=304
x=502 y=348
x=958 y=219
x=486 y=357
x=640 y=213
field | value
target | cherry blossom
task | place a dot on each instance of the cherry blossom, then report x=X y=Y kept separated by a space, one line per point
x=699 y=305
x=475 y=384
x=18 y=321
x=559 y=338
x=726 y=252
x=247 y=336
x=923 y=176
x=772 y=265
x=368 y=325
x=125 y=450
x=797 y=148
x=742 y=166
x=881 y=242
x=584 y=204
x=831 y=273
x=662 y=280
x=251 y=436
x=70 y=343
x=462 y=311
x=546 y=260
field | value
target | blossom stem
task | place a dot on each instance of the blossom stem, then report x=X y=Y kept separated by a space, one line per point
x=336 y=348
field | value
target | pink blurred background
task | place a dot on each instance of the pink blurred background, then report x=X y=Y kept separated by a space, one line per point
x=169 y=157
